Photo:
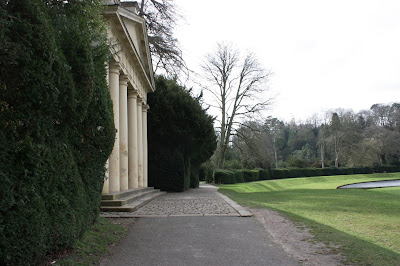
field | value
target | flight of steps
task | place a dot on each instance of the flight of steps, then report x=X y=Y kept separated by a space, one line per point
x=130 y=200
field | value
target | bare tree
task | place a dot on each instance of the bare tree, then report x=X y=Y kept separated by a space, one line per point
x=322 y=136
x=161 y=17
x=254 y=142
x=337 y=134
x=275 y=128
x=237 y=85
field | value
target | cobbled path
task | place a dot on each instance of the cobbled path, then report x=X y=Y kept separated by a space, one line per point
x=202 y=201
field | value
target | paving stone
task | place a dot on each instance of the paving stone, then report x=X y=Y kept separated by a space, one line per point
x=202 y=201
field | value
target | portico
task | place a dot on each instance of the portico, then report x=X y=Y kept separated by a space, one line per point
x=130 y=78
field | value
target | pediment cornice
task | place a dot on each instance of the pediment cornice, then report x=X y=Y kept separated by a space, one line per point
x=118 y=18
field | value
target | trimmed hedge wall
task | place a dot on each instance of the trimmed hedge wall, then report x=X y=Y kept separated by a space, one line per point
x=249 y=175
x=263 y=174
x=222 y=176
x=328 y=171
x=56 y=125
x=167 y=170
x=180 y=135
x=244 y=175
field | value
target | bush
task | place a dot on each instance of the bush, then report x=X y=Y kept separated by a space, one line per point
x=263 y=174
x=202 y=174
x=206 y=172
x=295 y=172
x=249 y=175
x=327 y=171
x=194 y=177
x=278 y=173
x=238 y=176
x=244 y=175
x=177 y=126
x=56 y=125
x=386 y=168
x=315 y=171
x=347 y=170
x=224 y=176
x=209 y=176
x=167 y=171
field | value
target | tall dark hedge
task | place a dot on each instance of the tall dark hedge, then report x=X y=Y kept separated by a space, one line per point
x=56 y=124
x=180 y=136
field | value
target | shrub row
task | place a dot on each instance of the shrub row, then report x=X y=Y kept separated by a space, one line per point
x=328 y=171
x=222 y=176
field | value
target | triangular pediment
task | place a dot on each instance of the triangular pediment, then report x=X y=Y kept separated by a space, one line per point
x=136 y=34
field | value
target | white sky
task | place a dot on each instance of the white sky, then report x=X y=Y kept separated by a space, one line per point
x=324 y=54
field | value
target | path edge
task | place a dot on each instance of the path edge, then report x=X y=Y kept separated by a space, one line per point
x=243 y=212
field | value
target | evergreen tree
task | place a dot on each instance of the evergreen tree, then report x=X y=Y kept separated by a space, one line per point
x=181 y=137
x=56 y=124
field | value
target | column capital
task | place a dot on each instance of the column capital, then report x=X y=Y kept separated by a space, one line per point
x=140 y=100
x=145 y=107
x=114 y=67
x=132 y=93
x=123 y=80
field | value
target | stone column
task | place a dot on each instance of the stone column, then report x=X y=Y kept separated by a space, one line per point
x=106 y=185
x=140 y=141
x=123 y=132
x=132 y=139
x=145 y=149
x=114 y=184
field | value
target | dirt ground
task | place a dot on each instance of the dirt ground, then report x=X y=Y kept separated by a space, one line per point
x=296 y=239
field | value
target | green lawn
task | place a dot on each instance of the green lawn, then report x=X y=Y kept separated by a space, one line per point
x=365 y=222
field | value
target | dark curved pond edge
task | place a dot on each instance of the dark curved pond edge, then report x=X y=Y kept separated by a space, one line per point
x=388 y=181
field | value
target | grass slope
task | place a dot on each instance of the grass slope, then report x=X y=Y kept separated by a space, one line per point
x=365 y=222
x=93 y=245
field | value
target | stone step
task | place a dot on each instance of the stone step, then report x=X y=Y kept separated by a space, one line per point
x=129 y=198
x=124 y=194
x=134 y=203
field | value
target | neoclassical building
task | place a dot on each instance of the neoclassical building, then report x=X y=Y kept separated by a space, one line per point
x=130 y=78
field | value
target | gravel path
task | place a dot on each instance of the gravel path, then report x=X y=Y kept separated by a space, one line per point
x=202 y=201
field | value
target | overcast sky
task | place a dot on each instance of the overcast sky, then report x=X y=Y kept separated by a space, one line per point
x=324 y=54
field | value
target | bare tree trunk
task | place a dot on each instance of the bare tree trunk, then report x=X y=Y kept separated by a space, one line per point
x=222 y=144
x=322 y=155
x=222 y=150
x=336 y=152
x=275 y=151
x=221 y=159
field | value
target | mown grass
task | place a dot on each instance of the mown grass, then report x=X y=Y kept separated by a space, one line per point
x=366 y=223
x=94 y=244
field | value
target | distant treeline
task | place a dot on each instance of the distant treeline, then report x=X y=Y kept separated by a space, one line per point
x=340 y=138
